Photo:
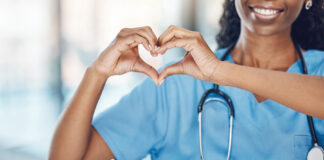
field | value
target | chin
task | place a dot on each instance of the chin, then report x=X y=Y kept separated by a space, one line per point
x=267 y=30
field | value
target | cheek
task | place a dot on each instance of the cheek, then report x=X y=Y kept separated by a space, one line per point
x=294 y=9
x=243 y=13
x=241 y=10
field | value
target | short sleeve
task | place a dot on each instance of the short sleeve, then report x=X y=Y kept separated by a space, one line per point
x=320 y=68
x=136 y=125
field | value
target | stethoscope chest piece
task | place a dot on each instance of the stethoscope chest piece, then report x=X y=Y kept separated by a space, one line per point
x=316 y=153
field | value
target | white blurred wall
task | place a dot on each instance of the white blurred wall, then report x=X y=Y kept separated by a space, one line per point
x=46 y=45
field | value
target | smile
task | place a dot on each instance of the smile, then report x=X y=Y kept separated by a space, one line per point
x=266 y=14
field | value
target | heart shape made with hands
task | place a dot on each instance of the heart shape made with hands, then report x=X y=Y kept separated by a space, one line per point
x=199 y=61
x=122 y=55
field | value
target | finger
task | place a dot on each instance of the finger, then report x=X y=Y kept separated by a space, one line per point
x=150 y=31
x=153 y=39
x=141 y=66
x=171 y=33
x=147 y=33
x=136 y=39
x=183 y=43
x=176 y=68
x=153 y=53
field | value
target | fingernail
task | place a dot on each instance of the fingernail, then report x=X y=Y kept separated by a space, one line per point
x=150 y=47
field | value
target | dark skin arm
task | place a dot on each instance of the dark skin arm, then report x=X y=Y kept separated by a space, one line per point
x=75 y=138
x=303 y=93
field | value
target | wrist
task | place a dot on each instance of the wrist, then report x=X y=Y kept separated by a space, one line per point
x=219 y=73
x=98 y=72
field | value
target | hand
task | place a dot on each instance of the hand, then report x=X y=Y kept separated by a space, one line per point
x=199 y=61
x=122 y=55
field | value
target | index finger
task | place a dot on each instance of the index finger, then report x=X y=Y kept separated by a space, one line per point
x=147 y=32
x=171 y=33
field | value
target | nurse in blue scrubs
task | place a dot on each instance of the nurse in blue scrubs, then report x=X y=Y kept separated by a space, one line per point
x=262 y=75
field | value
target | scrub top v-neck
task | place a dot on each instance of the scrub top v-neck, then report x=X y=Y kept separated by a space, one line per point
x=162 y=121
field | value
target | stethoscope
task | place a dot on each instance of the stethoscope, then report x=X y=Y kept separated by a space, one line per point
x=315 y=153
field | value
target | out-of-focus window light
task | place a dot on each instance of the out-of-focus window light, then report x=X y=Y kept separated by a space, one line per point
x=46 y=46
x=28 y=77
x=84 y=38
x=208 y=13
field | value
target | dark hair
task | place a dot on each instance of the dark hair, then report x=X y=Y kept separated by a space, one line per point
x=307 y=30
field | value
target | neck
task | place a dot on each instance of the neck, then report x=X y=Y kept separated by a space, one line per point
x=275 y=52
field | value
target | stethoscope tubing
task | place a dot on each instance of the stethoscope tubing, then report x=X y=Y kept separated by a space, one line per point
x=309 y=118
x=230 y=129
x=216 y=90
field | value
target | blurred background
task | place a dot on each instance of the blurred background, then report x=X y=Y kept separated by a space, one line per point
x=46 y=45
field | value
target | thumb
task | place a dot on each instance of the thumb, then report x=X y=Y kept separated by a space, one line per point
x=141 y=66
x=176 y=68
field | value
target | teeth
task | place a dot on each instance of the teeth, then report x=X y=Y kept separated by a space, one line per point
x=266 y=12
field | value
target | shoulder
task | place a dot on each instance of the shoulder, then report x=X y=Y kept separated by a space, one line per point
x=314 y=53
x=315 y=61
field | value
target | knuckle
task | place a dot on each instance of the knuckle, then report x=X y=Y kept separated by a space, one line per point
x=119 y=41
x=191 y=40
x=172 y=27
x=142 y=29
x=148 y=28
x=197 y=34
x=119 y=35
x=194 y=40
x=133 y=36
x=123 y=30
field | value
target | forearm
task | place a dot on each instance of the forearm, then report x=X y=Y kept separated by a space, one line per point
x=73 y=131
x=303 y=93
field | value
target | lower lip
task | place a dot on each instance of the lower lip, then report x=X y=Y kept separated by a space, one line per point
x=266 y=18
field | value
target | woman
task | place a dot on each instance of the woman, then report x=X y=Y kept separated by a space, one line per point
x=262 y=75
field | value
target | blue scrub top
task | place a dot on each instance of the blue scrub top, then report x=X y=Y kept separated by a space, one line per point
x=162 y=121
